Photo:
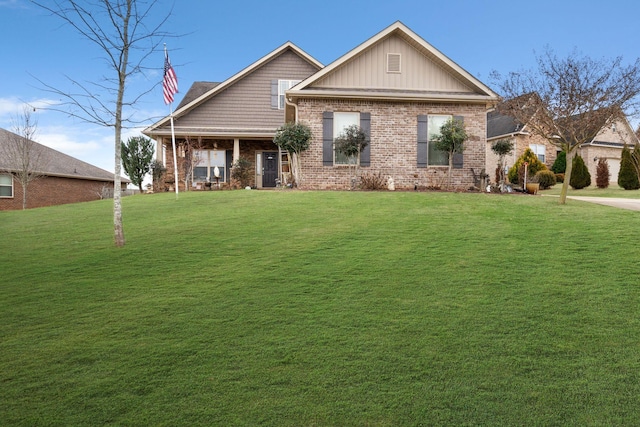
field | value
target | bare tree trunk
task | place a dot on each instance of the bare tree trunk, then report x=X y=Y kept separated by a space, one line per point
x=296 y=168
x=567 y=178
x=117 y=193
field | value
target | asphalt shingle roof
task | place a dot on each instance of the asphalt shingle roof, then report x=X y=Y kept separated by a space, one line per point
x=57 y=163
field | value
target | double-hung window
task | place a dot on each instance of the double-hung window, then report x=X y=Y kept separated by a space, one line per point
x=538 y=150
x=341 y=121
x=6 y=186
x=206 y=162
x=434 y=123
x=284 y=85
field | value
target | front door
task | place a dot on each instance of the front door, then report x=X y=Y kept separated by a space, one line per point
x=270 y=170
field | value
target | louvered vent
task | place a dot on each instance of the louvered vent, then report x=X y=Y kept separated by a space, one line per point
x=393 y=62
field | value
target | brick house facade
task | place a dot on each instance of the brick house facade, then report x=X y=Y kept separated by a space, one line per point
x=53 y=190
x=395 y=85
x=393 y=144
x=63 y=179
x=398 y=83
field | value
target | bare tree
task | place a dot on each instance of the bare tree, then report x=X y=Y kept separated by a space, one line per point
x=568 y=101
x=190 y=157
x=26 y=159
x=125 y=34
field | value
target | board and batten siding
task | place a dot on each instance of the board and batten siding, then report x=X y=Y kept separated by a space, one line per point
x=417 y=71
x=246 y=104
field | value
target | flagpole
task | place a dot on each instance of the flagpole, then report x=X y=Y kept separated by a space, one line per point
x=173 y=145
x=170 y=88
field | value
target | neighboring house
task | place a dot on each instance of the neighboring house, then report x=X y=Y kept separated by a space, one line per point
x=217 y=123
x=607 y=144
x=63 y=179
x=395 y=85
x=501 y=126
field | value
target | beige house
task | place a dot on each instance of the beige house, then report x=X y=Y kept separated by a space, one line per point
x=608 y=145
x=397 y=87
x=400 y=90
x=217 y=123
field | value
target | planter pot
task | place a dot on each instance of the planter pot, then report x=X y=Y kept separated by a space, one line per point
x=533 y=187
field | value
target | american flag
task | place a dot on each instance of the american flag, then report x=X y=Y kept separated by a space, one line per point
x=170 y=81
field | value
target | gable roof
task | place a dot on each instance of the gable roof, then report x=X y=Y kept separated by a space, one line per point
x=501 y=125
x=475 y=90
x=57 y=163
x=202 y=91
x=196 y=90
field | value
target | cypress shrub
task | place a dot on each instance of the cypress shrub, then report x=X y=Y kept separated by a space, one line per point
x=517 y=170
x=602 y=174
x=580 y=176
x=546 y=179
x=560 y=165
x=627 y=177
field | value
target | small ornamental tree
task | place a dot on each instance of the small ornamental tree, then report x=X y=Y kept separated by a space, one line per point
x=602 y=173
x=627 y=177
x=242 y=172
x=350 y=143
x=560 y=165
x=502 y=148
x=516 y=173
x=294 y=138
x=137 y=158
x=580 y=176
x=451 y=140
x=158 y=172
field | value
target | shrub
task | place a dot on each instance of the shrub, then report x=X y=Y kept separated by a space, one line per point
x=560 y=165
x=516 y=173
x=627 y=177
x=559 y=177
x=580 y=176
x=602 y=173
x=372 y=181
x=242 y=172
x=546 y=178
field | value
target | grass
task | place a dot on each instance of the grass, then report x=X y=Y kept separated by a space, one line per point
x=321 y=309
x=593 y=191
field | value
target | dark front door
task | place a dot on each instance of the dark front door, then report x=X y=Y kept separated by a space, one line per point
x=270 y=170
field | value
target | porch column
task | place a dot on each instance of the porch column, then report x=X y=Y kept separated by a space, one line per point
x=236 y=149
x=160 y=150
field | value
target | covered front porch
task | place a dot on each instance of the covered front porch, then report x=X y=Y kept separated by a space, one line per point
x=206 y=163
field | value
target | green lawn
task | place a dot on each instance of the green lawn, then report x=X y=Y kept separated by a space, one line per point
x=593 y=191
x=290 y=308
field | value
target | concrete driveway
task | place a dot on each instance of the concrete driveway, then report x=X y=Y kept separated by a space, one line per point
x=631 y=204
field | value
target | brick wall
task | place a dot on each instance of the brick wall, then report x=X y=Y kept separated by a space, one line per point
x=521 y=143
x=394 y=136
x=50 y=191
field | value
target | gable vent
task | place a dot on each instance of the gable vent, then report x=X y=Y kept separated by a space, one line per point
x=393 y=62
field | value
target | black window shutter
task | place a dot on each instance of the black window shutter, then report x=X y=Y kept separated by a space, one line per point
x=423 y=151
x=327 y=138
x=274 y=94
x=365 y=125
x=458 y=160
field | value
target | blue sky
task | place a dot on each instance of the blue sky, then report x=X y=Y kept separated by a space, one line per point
x=217 y=40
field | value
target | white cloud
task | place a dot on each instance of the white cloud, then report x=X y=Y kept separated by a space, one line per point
x=13 y=107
